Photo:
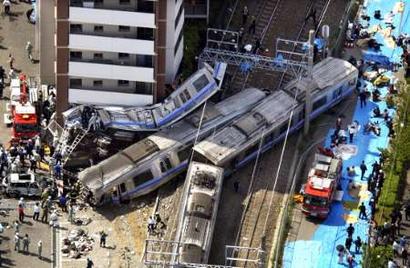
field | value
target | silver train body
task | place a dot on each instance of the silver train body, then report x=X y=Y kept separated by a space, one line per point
x=153 y=161
x=199 y=208
x=237 y=143
x=193 y=92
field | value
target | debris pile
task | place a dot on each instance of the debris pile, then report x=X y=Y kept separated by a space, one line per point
x=77 y=243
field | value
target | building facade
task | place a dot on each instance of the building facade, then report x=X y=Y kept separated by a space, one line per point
x=109 y=52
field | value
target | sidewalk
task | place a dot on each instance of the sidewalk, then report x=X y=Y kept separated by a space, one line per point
x=317 y=241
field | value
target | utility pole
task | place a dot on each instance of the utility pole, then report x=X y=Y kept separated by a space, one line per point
x=308 y=105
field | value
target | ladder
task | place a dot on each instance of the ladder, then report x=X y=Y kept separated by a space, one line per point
x=71 y=148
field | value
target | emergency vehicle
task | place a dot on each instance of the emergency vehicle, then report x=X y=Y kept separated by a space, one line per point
x=321 y=186
x=23 y=114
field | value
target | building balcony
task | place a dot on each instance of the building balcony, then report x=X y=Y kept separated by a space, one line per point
x=111 y=17
x=96 y=97
x=110 y=71
x=111 y=44
x=120 y=62
x=137 y=6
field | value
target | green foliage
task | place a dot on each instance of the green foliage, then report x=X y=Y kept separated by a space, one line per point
x=388 y=196
x=375 y=257
x=192 y=46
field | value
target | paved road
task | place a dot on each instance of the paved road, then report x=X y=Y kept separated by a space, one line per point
x=15 y=31
x=36 y=231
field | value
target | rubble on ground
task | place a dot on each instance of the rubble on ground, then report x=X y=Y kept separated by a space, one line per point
x=77 y=243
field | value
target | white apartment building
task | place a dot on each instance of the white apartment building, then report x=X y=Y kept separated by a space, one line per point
x=110 y=52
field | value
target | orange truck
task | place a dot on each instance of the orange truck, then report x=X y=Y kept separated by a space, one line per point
x=322 y=185
x=24 y=118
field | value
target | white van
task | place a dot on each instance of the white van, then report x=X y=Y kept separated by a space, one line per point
x=17 y=185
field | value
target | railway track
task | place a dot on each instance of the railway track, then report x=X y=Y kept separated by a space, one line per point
x=261 y=192
x=303 y=34
x=266 y=14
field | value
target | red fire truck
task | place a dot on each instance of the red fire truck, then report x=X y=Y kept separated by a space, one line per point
x=24 y=117
x=321 y=186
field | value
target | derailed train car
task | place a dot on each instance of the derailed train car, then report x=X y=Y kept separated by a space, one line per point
x=153 y=161
x=234 y=145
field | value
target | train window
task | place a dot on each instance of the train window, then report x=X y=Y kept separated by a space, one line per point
x=338 y=92
x=201 y=82
x=186 y=94
x=319 y=103
x=123 y=189
x=142 y=178
x=184 y=154
x=165 y=164
x=183 y=98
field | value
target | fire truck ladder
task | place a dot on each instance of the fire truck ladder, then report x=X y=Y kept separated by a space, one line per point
x=71 y=148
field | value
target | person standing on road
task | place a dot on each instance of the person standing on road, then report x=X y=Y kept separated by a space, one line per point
x=252 y=28
x=363 y=98
x=17 y=242
x=11 y=59
x=350 y=230
x=39 y=249
x=21 y=213
x=103 y=239
x=26 y=243
x=358 y=244
x=362 y=211
x=6 y=5
x=29 y=49
x=44 y=216
x=36 y=213
x=90 y=263
x=348 y=243
x=16 y=226
x=363 y=168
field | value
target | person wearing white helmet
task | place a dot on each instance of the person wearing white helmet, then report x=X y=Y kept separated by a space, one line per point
x=21 y=202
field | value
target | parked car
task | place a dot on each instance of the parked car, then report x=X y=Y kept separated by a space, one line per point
x=17 y=185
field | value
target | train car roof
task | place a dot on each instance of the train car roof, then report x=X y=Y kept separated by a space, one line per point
x=328 y=72
x=271 y=113
x=177 y=133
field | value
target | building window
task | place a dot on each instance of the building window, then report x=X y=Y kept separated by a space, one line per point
x=178 y=43
x=178 y=16
x=124 y=2
x=145 y=33
x=98 y=28
x=76 y=55
x=123 y=83
x=145 y=6
x=123 y=55
x=98 y=56
x=98 y=2
x=143 y=88
x=98 y=83
x=122 y=28
x=76 y=83
x=76 y=28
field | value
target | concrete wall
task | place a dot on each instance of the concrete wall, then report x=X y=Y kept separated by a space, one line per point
x=45 y=30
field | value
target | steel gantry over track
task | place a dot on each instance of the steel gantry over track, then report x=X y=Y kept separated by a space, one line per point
x=161 y=253
x=290 y=56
